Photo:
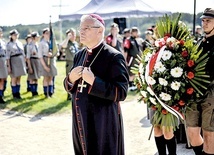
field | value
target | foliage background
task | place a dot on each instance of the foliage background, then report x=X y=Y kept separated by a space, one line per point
x=142 y=23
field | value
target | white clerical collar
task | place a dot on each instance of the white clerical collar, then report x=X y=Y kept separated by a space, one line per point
x=90 y=50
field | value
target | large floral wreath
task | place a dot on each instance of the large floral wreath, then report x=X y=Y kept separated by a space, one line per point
x=171 y=74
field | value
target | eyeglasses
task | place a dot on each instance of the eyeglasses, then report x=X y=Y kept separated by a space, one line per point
x=87 y=28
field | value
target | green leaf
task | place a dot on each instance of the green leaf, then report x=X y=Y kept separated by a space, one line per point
x=193 y=85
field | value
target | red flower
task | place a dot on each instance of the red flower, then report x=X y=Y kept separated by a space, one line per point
x=190 y=75
x=190 y=63
x=164 y=111
x=181 y=103
x=184 y=53
x=176 y=108
x=154 y=108
x=181 y=42
x=167 y=35
x=190 y=91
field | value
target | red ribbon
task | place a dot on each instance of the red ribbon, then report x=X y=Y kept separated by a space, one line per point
x=152 y=62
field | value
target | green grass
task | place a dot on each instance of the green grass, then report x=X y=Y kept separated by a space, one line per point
x=40 y=105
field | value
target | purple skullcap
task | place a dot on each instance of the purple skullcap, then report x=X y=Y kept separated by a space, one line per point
x=96 y=16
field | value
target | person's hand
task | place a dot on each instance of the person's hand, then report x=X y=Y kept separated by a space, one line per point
x=69 y=35
x=30 y=70
x=47 y=69
x=75 y=74
x=87 y=75
x=50 y=54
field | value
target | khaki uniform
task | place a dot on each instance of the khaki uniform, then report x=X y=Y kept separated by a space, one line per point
x=15 y=52
x=43 y=51
x=202 y=113
x=3 y=63
x=32 y=54
x=70 y=50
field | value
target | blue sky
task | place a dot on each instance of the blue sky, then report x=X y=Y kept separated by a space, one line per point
x=24 y=12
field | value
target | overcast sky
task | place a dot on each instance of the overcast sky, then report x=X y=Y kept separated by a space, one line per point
x=13 y=12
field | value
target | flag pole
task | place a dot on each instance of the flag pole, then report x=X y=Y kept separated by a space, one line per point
x=49 y=41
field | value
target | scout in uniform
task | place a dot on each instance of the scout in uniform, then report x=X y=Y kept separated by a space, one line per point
x=28 y=40
x=16 y=62
x=3 y=66
x=48 y=63
x=200 y=118
x=69 y=46
x=33 y=63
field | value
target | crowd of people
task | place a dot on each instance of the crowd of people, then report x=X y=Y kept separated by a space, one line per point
x=33 y=59
x=98 y=77
x=101 y=77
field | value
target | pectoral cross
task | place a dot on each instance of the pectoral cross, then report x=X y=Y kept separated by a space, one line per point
x=82 y=85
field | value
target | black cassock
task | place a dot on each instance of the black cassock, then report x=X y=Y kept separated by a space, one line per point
x=97 y=119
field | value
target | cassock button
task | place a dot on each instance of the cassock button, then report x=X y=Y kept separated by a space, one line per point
x=208 y=42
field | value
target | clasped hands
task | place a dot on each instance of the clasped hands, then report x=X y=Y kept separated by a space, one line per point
x=82 y=72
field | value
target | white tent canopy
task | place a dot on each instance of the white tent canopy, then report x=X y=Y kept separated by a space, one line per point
x=108 y=9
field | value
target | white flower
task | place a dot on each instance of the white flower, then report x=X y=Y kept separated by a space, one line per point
x=176 y=72
x=153 y=100
x=143 y=93
x=165 y=96
x=159 y=67
x=150 y=91
x=141 y=68
x=166 y=55
x=162 y=82
x=151 y=81
x=171 y=39
x=175 y=85
x=147 y=57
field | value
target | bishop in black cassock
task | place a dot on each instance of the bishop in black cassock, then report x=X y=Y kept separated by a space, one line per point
x=97 y=118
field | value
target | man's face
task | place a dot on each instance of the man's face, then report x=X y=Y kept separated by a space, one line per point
x=89 y=32
x=207 y=24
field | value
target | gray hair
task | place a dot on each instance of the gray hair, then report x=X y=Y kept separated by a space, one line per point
x=96 y=22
